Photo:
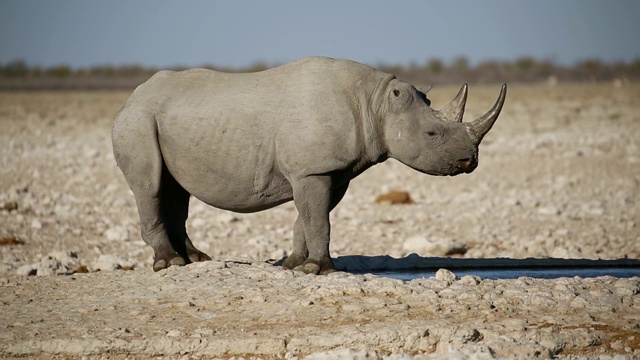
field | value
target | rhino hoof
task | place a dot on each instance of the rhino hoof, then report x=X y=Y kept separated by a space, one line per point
x=198 y=256
x=322 y=267
x=163 y=264
x=327 y=271
x=293 y=261
x=308 y=268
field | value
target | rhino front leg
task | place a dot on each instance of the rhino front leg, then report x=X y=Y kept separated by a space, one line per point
x=312 y=198
x=300 y=251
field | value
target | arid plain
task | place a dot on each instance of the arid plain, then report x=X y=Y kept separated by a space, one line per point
x=558 y=178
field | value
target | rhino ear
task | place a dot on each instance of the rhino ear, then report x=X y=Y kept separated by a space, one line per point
x=455 y=109
x=425 y=90
x=422 y=94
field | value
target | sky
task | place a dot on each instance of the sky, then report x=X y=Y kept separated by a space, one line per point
x=239 y=33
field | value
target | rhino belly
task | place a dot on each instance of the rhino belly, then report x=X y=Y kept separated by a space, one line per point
x=230 y=195
x=229 y=172
x=227 y=189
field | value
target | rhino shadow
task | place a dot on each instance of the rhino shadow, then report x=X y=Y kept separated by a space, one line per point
x=359 y=264
x=489 y=267
x=362 y=263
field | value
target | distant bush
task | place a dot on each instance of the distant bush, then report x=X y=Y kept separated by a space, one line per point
x=17 y=68
x=523 y=69
x=18 y=75
x=59 y=71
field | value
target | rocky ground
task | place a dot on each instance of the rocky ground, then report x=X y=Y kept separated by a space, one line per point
x=557 y=179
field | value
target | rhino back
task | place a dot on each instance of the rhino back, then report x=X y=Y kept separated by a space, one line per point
x=236 y=140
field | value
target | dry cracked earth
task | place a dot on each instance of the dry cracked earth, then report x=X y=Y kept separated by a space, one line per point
x=558 y=178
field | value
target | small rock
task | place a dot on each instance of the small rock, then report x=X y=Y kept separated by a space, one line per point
x=549 y=210
x=10 y=240
x=111 y=262
x=579 y=303
x=48 y=267
x=470 y=280
x=469 y=335
x=81 y=269
x=617 y=345
x=36 y=224
x=27 y=270
x=174 y=333
x=117 y=233
x=394 y=197
x=56 y=263
x=445 y=275
x=9 y=206
x=68 y=259
x=624 y=287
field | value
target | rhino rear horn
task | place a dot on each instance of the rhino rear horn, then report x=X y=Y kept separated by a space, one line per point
x=455 y=109
x=481 y=126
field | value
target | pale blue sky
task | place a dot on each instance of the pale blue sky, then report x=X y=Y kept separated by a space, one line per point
x=163 y=33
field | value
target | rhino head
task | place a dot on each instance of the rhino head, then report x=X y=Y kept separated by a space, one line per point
x=434 y=142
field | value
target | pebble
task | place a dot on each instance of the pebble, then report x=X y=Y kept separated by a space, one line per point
x=36 y=224
x=55 y=263
x=112 y=262
x=174 y=333
x=549 y=210
x=470 y=280
x=445 y=275
x=395 y=197
x=117 y=233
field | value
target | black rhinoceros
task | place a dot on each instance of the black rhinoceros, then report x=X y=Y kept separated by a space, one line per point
x=301 y=131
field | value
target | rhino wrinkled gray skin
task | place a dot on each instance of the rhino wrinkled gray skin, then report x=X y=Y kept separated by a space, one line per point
x=301 y=131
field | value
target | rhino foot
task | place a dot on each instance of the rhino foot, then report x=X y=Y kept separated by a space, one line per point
x=322 y=267
x=160 y=264
x=196 y=256
x=293 y=261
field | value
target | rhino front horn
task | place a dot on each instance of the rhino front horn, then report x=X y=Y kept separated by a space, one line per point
x=455 y=109
x=481 y=126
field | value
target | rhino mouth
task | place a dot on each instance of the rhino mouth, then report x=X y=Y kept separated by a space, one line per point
x=467 y=165
x=461 y=166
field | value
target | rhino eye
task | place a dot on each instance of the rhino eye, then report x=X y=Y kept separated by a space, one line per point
x=396 y=92
x=431 y=133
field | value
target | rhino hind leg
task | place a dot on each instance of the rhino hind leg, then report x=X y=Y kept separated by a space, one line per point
x=163 y=216
x=175 y=209
x=162 y=203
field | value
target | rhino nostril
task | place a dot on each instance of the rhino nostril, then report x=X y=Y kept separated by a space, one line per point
x=466 y=164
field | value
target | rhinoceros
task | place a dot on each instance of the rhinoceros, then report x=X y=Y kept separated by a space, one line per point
x=247 y=142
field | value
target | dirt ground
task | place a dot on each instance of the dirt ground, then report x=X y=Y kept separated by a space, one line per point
x=557 y=179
